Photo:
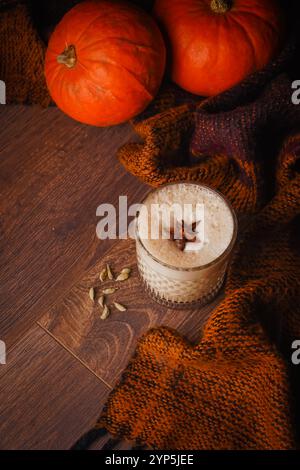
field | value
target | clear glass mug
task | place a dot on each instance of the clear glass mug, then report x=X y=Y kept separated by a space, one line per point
x=183 y=286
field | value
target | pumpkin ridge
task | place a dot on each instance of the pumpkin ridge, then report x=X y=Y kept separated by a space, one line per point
x=52 y=51
x=98 y=87
x=127 y=41
x=263 y=20
x=130 y=72
x=219 y=30
x=247 y=34
x=121 y=40
x=99 y=16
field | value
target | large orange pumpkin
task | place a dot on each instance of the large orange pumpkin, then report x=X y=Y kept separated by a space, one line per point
x=105 y=61
x=216 y=43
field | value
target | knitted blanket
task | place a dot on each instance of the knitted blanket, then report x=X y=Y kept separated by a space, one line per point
x=237 y=388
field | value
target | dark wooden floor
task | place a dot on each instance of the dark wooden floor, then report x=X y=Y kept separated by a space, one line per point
x=62 y=359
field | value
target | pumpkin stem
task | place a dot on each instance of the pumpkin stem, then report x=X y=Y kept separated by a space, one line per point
x=220 y=6
x=68 y=57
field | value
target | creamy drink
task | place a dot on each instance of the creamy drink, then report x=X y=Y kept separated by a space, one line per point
x=185 y=233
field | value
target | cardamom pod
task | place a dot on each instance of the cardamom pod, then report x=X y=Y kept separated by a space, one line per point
x=101 y=301
x=120 y=307
x=122 y=277
x=110 y=290
x=126 y=271
x=103 y=275
x=105 y=313
x=92 y=293
x=109 y=273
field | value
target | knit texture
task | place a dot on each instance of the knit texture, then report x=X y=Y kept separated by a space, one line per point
x=236 y=389
x=21 y=56
x=232 y=390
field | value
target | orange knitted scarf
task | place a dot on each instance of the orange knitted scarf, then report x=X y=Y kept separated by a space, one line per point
x=236 y=389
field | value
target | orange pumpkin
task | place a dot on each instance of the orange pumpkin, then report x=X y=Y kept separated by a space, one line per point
x=215 y=44
x=105 y=62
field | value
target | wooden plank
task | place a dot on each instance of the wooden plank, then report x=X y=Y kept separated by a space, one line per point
x=54 y=172
x=106 y=346
x=48 y=399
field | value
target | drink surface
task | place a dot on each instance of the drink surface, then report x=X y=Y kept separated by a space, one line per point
x=194 y=204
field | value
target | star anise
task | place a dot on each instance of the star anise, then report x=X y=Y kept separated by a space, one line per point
x=185 y=233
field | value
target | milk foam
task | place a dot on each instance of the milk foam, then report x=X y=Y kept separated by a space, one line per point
x=218 y=224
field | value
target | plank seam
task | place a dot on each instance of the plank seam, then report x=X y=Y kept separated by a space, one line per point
x=74 y=355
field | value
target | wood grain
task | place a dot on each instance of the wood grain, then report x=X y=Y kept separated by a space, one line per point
x=106 y=346
x=54 y=172
x=48 y=399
